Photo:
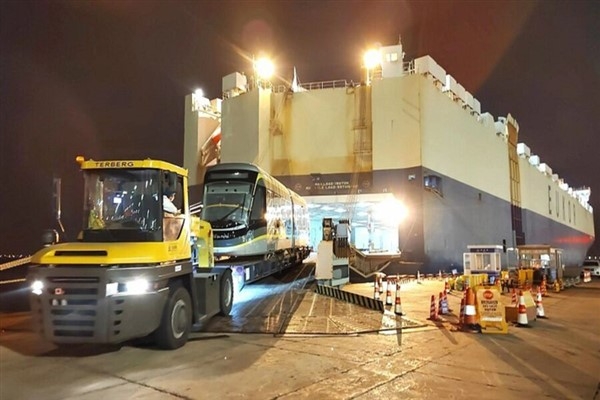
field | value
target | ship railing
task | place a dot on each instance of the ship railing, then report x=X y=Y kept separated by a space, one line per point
x=408 y=67
x=339 y=83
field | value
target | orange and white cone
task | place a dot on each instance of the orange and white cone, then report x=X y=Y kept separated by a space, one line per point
x=388 y=292
x=539 y=306
x=398 y=302
x=544 y=288
x=443 y=308
x=447 y=286
x=514 y=299
x=522 y=312
x=470 y=322
x=376 y=288
x=433 y=315
x=461 y=316
x=418 y=277
x=447 y=302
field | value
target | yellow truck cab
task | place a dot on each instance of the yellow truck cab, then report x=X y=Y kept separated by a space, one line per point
x=135 y=270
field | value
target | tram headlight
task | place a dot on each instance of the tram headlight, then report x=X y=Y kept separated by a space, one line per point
x=37 y=287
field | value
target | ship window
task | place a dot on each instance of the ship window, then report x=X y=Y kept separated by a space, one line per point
x=557 y=205
x=564 y=217
x=549 y=200
x=433 y=183
x=391 y=57
x=569 y=211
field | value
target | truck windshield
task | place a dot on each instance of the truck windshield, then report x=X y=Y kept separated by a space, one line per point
x=121 y=200
x=227 y=203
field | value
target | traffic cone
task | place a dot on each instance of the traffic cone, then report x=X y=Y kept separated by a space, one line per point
x=461 y=316
x=433 y=315
x=446 y=302
x=418 y=277
x=376 y=288
x=388 y=292
x=440 y=275
x=514 y=297
x=447 y=286
x=544 y=289
x=522 y=310
x=398 y=302
x=380 y=277
x=539 y=306
x=443 y=305
x=556 y=286
x=470 y=322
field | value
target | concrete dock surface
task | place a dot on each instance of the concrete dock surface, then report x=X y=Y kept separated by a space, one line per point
x=292 y=343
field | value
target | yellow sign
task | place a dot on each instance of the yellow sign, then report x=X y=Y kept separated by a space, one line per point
x=528 y=297
x=490 y=310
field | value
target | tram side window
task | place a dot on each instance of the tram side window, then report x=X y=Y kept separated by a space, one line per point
x=259 y=205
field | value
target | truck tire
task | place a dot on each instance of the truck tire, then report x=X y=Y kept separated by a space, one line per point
x=226 y=293
x=176 y=320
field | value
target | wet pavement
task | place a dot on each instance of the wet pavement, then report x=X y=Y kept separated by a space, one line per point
x=284 y=341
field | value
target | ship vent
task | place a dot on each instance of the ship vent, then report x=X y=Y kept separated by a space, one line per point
x=433 y=183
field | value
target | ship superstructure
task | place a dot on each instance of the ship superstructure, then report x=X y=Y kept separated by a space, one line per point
x=409 y=137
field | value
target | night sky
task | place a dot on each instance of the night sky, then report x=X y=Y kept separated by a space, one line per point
x=107 y=79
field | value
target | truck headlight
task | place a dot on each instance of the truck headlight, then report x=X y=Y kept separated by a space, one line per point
x=37 y=286
x=137 y=286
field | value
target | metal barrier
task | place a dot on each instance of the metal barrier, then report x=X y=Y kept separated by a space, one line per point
x=349 y=297
x=14 y=264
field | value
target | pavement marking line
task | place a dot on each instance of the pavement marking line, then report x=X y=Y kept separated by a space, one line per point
x=310 y=311
x=560 y=388
x=127 y=380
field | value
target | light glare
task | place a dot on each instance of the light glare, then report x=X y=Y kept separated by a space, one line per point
x=37 y=287
x=372 y=58
x=137 y=286
x=391 y=212
x=264 y=68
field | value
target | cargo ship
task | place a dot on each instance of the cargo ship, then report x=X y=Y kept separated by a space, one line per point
x=406 y=154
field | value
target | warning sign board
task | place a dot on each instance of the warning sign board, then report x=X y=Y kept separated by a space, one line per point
x=490 y=310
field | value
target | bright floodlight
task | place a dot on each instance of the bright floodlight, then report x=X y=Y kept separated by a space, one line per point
x=264 y=68
x=372 y=58
x=390 y=211
x=199 y=102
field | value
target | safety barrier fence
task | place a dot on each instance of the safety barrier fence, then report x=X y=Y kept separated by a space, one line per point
x=14 y=264
x=349 y=297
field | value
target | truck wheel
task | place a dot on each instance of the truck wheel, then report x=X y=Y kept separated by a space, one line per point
x=226 y=293
x=176 y=320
